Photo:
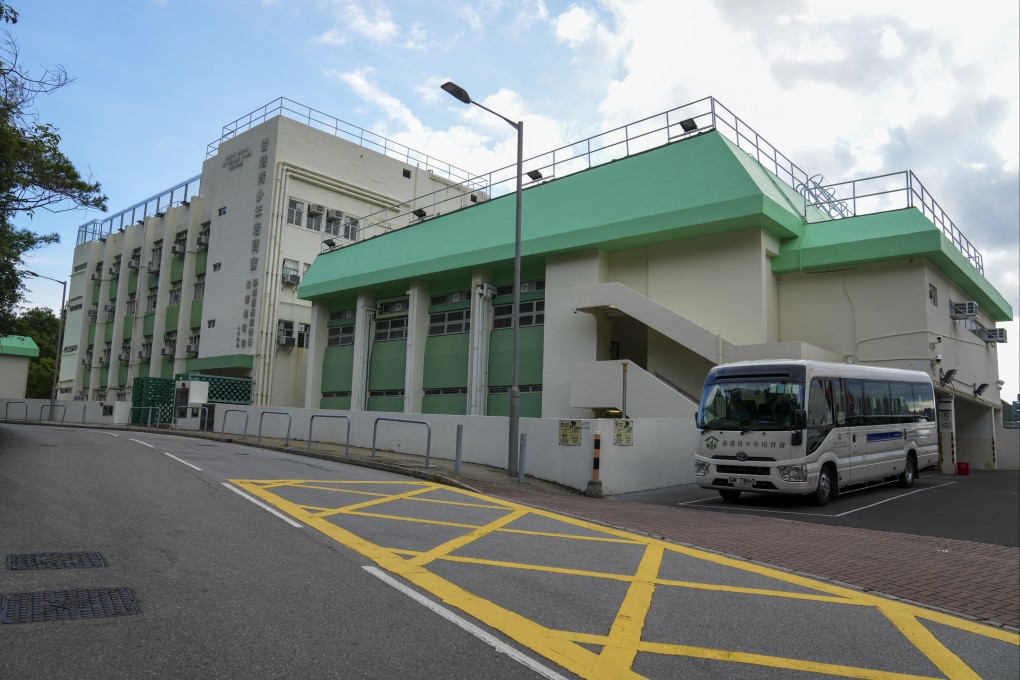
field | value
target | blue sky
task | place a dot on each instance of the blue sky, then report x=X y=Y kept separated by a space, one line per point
x=847 y=90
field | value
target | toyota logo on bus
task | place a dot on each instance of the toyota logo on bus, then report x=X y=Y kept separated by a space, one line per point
x=741 y=456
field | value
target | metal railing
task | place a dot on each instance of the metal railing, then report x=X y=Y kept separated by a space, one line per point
x=223 y=425
x=7 y=409
x=149 y=409
x=347 y=438
x=275 y=413
x=63 y=414
x=319 y=120
x=154 y=205
x=428 y=442
x=897 y=190
x=820 y=199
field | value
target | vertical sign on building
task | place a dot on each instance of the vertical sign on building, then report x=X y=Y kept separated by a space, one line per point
x=246 y=331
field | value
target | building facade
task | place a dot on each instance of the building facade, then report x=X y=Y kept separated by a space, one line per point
x=203 y=277
x=668 y=249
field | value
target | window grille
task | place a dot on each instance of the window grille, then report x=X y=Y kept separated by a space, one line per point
x=450 y=323
x=391 y=329
x=532 y=313
x=295 y=212
x=338 y=336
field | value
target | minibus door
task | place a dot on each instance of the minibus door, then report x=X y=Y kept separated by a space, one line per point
x=856 y=431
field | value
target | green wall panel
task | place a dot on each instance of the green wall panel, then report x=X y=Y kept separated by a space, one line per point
x=338 y=369
x=336 y=403
x=173 y=313
x=143 y=370
x=201 y=258
x=148 y=323
x=122 y=375
x=446 y=361
x=108 y=332
x=103 y=376
x=389 y=360
x=95 y=293
x=92 y=333
x=176 y=269
x=128 y=330
x=195 y=321
x=501 y=354
x=86 y=378
x=224 y=361
x=499 y=405
x=450 y=404
x=133 y=281
x=386 y=404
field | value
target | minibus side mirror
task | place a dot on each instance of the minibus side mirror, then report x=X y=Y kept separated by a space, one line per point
x=697 y=419
x=799 y=419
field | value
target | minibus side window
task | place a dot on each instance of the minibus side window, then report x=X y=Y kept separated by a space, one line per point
x=820 y=416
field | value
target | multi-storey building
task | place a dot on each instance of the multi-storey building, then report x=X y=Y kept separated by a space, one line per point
x=672 y=245
x=203 y=277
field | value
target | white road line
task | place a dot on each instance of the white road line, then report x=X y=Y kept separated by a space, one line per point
x=139 y=441
x=495 y=642
x=182 y=462
x=110 y=433
x=262 y=505
x=744 y=508
x=909 y=493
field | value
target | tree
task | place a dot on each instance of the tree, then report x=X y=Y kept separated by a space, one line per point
x=42 y=326
x=34 y=173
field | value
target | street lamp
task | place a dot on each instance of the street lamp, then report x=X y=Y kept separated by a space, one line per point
x=60 y=336
x=513 y=449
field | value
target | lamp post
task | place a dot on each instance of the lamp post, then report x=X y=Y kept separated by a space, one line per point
x=515 y=390
x=60 y=336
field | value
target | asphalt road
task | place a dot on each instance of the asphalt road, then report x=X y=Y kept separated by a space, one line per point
x=983 y=506
x=341 y=571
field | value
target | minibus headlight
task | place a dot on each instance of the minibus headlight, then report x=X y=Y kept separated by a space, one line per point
x=792 y=473
x=700 y=468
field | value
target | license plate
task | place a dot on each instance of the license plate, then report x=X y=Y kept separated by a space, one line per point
x=741 y=481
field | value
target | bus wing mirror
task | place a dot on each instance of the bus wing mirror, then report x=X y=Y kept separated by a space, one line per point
x=697 y=419
x=799 y=419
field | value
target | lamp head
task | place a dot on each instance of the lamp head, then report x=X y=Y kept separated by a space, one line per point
x=457 y=91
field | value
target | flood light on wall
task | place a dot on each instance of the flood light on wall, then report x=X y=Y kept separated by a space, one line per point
x=535 y=175
x=979 y=390
x=947 y=376
x=688 y=125
x=419 y=213
x=329 y=243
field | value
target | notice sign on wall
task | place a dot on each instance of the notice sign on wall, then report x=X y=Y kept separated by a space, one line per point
x=623 y=432
x=570 y=433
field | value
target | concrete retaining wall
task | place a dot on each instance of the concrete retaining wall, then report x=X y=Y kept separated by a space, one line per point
x=662 y=453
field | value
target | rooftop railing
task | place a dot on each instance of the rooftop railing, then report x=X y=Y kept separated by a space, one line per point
x=154 y=205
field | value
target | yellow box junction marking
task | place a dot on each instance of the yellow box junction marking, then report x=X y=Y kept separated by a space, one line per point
x=624 y=640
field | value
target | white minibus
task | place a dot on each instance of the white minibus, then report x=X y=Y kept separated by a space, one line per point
x=812 y=428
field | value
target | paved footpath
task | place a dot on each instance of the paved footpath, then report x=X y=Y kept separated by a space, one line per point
x=977 y=580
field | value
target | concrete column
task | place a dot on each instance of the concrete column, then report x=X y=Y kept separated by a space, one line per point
x=316 y=354
x=363 y=334
x=417 y=335
x=947 y=434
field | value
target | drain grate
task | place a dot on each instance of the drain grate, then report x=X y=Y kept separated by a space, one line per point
x=67 y=605
x=55 y=561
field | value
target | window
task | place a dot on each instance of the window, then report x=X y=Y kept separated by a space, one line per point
x=170 y=344
x=303 y=335
x=216 y=266
x=450 y=323
x=819 y=412
x=150 y=301
x=157 y=252
x=532 y=313
x=462 y=296
x=350 y=229
x=175 y=294
x=391 y=329
x=340 y=335
x=290 y=268
x=199 y=287
x=295 y=212
x=342 y=315
x=74 y=307
x=526 y=287
x=130 y=307
x=334 y=224
x=211 y=323
x=222 y=211
x=314 y=221
x=193 y=341
x=933 y=295
x=80 y=267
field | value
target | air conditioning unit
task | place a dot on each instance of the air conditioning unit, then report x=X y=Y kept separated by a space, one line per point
x=93 y=313
x=202 y=241
x=96 y=276
x=142 y=354
x=86 y=362
x=124 y=357
x=963 y=310
x=167 y=352
x=104 y=361
x=109 y=308
x=132 y=264
x=291 y=279
x=332 y=214
x=114 y=271
x=457 y=297
x=993 y=334
x=191 y=349
x=286 y=340
x=316 y=209
x=178 y=249
x=153 y=267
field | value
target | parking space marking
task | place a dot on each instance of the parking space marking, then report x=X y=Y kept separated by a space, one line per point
x=749 y=508
x=626 y=630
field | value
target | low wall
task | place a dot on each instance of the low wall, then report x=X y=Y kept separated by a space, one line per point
x=662 y=452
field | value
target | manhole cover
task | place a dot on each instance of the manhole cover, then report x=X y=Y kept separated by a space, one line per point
x=67 y=605
x=55 y=560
